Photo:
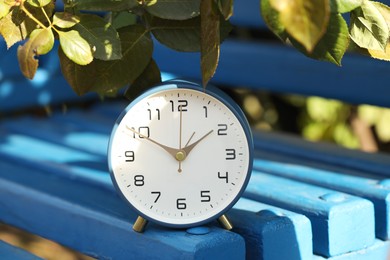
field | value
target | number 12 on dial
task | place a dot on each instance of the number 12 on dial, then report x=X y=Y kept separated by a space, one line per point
x=181 y=156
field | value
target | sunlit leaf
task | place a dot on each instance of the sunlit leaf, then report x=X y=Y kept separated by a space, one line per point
x=150 y=76
x=333 y=44
x=102 y=5
x=12 y=27
x=368 y=27
x=344 y=6
x=175 y=10
x=109 y=76
x=271 y=18
x=343 y=135
x=41 y=41
x=305 y=21
x=75 y=47
x=101 y=36
x=209 y=40
x=4 y=9
x=38 y=3
x=382 y=127
x=369 y=114
x=65 y=20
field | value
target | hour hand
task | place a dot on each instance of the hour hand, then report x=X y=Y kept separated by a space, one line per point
x=170 y=150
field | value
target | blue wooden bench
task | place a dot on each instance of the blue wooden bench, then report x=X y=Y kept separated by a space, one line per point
x=304 y=200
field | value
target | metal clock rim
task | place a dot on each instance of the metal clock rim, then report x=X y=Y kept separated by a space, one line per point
x=219 y=95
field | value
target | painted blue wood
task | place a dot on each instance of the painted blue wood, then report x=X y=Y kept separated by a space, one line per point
x=379 y=250
x=377 y=191
x=97 y=222
x=267 y=229
x=10 y=252
x=323 y=153
x=340 y=222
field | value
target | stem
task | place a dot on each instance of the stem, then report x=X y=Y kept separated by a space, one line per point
x=47 y=17
x=32 y=17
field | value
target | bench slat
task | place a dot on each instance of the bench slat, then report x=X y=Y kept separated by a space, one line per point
x=377 y=191
x=10 y=252
x=102 y=224
x=267 y=229
x=340 y=222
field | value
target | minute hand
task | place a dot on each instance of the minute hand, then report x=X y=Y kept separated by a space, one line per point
x=189 y=148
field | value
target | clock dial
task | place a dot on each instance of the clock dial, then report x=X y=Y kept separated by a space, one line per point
x=180 y=156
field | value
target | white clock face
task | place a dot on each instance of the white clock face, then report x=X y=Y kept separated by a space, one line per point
x=179 y=156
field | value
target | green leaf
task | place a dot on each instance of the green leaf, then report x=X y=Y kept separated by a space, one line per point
x=102 y=5
x=109 y=76
x=13 y=27
x=305 y=21
x=344 y=6
x=75 y=47
x=122 y=19
x=4 y=9
x=368 y=27
x=271 y=18
x=226 y=8
x=38 y=3
x=175 y=10
x=41 y=41
x=382 y=126
x=150 y=76
x=101 y=36
x=65 y=20
x=209 y=40
x=333 y=44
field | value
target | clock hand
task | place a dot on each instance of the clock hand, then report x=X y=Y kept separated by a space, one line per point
x=180 y=132
x=189 y=139
x=189 y=148
x=170 y=150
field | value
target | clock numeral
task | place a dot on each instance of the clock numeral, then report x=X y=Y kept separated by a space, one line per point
x=222 y=129
x=230 y=154
x=182 y=106
x=226 y=176
x=150 y=113
x=180 y=203
x=158 y=195
x=130 y=156
x=143 y=130
x=205 y=111
x=205 y=196
x=139 y=180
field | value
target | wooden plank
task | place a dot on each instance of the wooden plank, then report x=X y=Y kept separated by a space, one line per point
x=377 y=191
x=267 y=229
x=379 y=250
x=321 y=152
x=340 y=222
x=10 y=252
x=101 y=223
x=278 y=68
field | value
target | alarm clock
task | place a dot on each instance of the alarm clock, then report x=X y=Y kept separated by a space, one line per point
x=181 y=155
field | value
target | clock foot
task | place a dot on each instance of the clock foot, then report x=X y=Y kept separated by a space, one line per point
x=140 y=224
x=225 y=222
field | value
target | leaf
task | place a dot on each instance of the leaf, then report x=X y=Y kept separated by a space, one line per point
x=333 y=44
x=381 y=54
x=65 y=20
x=150 y=76
x=41 y=41
x=101 y=36
x=344 y=6
x=209 y=40
x=102 y=5
x=75 y=47
x=382 y=126
x=4 y=9
x=109 y=76
x=226 y=8
x=271 y=18
x=368 y=27
x=175 y=10
x=305 y=21
x=38 y=3
x=122 y=19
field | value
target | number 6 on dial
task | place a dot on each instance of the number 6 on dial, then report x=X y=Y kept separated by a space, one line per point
x=180 y=155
